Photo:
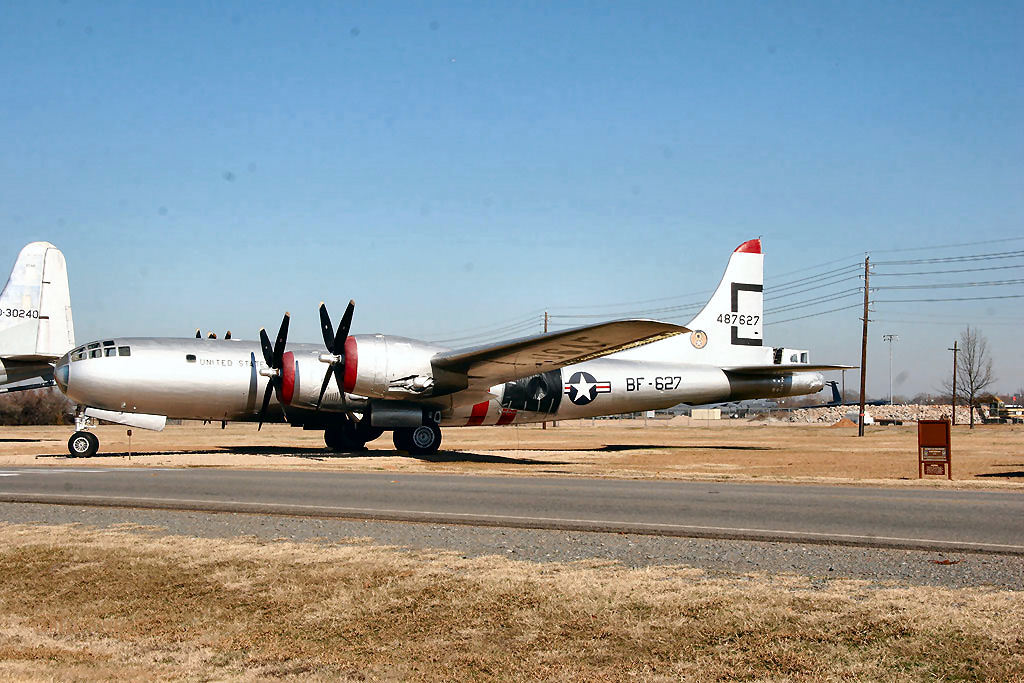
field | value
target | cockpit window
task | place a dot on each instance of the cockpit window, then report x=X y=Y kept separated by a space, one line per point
x=124 y=350
x=96 y=353
x=94 y=345
x=109 y=342
x=110 y=351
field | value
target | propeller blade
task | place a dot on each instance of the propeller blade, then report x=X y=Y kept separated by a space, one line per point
x=323 y=388
x=339 y=376
x=326 y=327
x=227 y=335
x=266 y=402
x=342 y=335
x=278 y=388
x=211 y=335
x=282 y=338
x=199 y=335
x=268 y=351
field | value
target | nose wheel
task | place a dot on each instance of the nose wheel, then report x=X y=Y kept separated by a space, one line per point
x=83 y=444
x=422 y=440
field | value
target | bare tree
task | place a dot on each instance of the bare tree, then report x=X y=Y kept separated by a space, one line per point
x=973 y=370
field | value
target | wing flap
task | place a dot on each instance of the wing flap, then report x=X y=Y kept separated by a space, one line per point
x=486 y=366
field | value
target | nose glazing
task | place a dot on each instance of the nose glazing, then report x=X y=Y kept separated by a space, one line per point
x=62 y=372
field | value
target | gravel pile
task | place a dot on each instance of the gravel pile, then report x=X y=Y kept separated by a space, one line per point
x=908 y=413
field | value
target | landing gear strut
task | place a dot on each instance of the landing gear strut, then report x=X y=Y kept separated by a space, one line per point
x=422 y=440
x=83 y=444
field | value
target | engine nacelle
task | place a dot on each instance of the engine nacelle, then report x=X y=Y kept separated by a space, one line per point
x=383 y=366
x=376 y=366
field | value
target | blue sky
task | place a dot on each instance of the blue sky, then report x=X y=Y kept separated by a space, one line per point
x=462 y=165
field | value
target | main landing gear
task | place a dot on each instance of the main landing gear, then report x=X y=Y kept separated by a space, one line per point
x=422 y=440
x=350 y=437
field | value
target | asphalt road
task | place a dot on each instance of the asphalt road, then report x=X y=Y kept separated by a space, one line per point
x=932 y=519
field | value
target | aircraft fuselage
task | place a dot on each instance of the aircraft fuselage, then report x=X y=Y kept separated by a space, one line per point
x=220 y=380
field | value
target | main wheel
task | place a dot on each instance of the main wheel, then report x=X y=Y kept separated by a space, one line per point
x=342 y=438
x=83 y=444
x=422 y=440
x=366 y=432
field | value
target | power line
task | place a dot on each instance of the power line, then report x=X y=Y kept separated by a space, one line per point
x=975 y=243
x=944 y=272
x=899 y=250
x=957 y=259
x=811 y=315
x=626 y=304
x=484 y=328
x=818 y=276
x=817 y=285
x=495 y=333
x=835 y=296
x=988 y=322
x=948 y=285
x=965 y=298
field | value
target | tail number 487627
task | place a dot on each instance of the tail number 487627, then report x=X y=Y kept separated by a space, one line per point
x=738 y=319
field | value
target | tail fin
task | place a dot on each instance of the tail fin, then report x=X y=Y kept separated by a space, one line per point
x=730 y=327
x=836 y=398
x=35 y=306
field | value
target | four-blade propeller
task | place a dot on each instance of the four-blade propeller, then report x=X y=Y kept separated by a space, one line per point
x=274 y=356
x=335 y=342
x=334 y=358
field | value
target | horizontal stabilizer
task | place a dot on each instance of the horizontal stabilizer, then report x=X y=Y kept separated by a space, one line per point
x=27 y=387
x=784 y=369
x=486 y=366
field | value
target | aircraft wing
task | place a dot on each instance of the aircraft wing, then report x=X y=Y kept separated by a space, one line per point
x=784 y=369
x=486 y=366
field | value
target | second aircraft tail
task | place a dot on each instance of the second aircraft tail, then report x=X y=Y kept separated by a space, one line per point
x=35 y=306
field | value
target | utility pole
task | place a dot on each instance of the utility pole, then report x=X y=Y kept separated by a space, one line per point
x=864 y=349
x=890 y=338
x=955 y=349
x=544 y=425
x=546 y=318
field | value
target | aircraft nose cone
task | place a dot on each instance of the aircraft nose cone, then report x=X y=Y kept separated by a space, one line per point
x=61 y=373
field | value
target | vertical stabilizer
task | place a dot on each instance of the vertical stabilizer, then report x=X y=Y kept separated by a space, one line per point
x=733 y=319
x=35 y=306
x=729 y=330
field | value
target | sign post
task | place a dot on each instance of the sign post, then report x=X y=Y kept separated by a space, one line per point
x=934 y=448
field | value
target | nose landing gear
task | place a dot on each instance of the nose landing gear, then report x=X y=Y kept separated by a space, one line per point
x=83 y=444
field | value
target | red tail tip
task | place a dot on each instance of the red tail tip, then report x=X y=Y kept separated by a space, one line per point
x=749 y=247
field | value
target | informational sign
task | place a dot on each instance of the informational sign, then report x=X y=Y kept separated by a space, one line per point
x=934 y=448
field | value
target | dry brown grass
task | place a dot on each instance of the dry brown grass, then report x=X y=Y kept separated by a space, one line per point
x=990 y=455
x=88 y=604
